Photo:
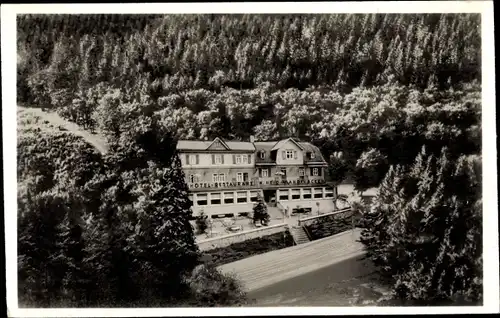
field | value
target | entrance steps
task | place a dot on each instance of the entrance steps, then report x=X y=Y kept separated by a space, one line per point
x=299 y=235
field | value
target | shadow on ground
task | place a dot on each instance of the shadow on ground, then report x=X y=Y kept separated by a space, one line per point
x=352 y=282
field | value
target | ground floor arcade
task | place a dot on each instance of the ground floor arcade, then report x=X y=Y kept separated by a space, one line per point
x=227 y=203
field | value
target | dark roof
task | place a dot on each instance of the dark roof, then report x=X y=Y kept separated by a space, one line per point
x=265 y=146
x=268 y=146
x=308 y=147
x=204 y=144
x=193 y=144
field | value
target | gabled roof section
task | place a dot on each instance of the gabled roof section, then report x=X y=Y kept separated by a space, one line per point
x=284 y=141
x=193 y=144
x=218 y=144
x=240 y=145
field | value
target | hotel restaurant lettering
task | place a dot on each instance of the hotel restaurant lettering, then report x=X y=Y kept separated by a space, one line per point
x=252 y=184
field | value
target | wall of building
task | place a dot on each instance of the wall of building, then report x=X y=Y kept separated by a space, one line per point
x=223 y=209
x=227 y=240
x=289 y=145
x=217 y=208
x=205 y=160
x=206 y=174
x=292 y=173
x=291 y=201
x=325 y=206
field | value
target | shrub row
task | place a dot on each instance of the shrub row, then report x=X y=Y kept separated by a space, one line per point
x=330 y=225
x=237 y=251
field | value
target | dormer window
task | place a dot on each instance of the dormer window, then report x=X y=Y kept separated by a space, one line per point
x=262 y=154
x=312 y=155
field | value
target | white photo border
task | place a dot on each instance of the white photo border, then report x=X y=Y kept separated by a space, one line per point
x=489 y=154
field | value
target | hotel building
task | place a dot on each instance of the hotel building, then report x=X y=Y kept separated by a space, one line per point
x=225 y=177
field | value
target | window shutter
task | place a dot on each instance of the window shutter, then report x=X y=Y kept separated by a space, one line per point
x=222 y=159
x=260 y=173
x=187 y=159
x=284 y=154
x=319 y=171
x=213 y=159
x=312 y=171
x=295 y=154
x=234 y=159
x=249 y=159
x=197 y=159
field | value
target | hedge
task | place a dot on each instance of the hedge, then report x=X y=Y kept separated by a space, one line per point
x=237 y=251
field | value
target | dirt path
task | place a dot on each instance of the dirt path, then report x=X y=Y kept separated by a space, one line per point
x=98 y=142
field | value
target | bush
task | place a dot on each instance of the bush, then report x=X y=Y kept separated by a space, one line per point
x=209 y=287
x=201 y=223
x=235 y=252
x=260 y=212
x=330 y=225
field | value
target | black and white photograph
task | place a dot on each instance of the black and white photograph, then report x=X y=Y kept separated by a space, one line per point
x=268 y=160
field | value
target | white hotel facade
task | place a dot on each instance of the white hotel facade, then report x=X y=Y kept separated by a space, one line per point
x=225 y=177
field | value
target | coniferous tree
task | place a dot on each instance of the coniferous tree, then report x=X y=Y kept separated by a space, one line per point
x=260 y=213
x=413 y=235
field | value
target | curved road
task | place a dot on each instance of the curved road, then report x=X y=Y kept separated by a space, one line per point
x=98 y=142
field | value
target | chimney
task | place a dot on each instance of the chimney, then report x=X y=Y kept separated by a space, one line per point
x=252 y=138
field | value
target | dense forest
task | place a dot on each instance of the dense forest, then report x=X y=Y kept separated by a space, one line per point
x=371 y=90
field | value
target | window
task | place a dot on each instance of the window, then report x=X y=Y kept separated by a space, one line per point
x=201 y=199
x=315 y=172
x=289 y=154
x=306 y=193
x=283 y=171
x=239 y=177
x=192 y=159
x=312 y=155
x=253 y=196
x=218 y=177
x=238 y=159
x=318 y=193
x=295 y=194
x=228 y=197
x=301 y=172
x=215 y=198
x=329 y=193
x=245 y=177
x=262 y=154
x=283 y=195
x=218 y=159
x=245 y=159
x=264 y=173
x=192 y=178
x=241 y=197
